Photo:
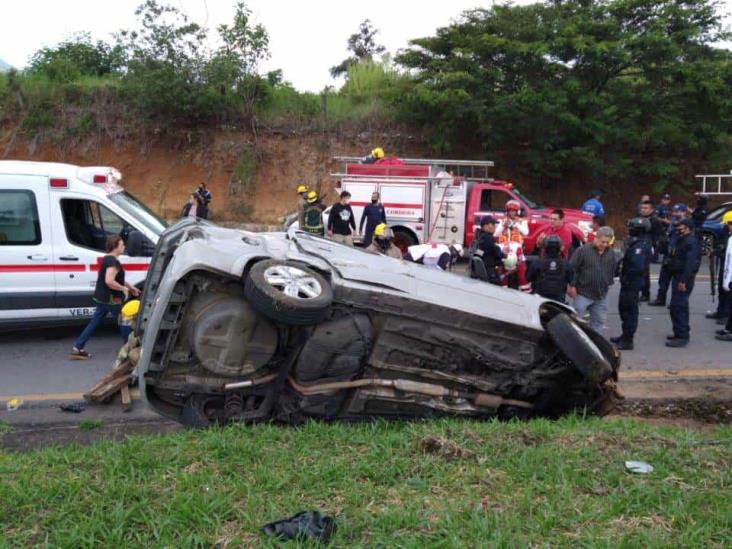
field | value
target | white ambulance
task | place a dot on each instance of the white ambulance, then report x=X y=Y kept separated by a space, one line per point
x=54 y=222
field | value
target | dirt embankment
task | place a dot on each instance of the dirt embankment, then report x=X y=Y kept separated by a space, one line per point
x=253 y=178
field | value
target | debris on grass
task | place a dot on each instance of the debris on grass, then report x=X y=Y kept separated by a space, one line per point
x=445 y=448
x=640 y=467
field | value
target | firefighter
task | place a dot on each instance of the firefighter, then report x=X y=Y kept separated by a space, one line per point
x=510 y=234
x=683 y=265
x=313 y=215
x=302 y=191
x=374 y=156
x=128 y=318
x=383 y=242
x=550 y=274
x=633 y=268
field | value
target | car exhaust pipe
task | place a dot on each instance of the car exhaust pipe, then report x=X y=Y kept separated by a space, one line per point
x=482 y=400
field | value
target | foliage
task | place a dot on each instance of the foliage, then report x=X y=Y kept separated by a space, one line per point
x=441 y=483
x=77 y=57
x=607 y=89
x=364 y=47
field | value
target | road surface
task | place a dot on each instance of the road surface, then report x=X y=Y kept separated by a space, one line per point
x=34 y=364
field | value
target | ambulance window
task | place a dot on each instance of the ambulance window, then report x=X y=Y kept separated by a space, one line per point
x=88 y=223
x=485 y=200
x=19 y=225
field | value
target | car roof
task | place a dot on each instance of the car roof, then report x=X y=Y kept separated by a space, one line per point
x=24 y=167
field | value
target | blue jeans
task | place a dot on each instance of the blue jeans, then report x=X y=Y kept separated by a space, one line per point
x=101 y=310
x=680 y=308
x=597 y=308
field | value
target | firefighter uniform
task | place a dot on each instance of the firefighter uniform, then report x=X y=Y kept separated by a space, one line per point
x=634 y=265
x=313 y=215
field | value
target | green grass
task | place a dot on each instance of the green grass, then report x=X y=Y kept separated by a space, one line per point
x=90 y=424
x=559 y=484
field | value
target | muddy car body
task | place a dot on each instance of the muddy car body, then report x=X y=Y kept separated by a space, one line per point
x=258 y=326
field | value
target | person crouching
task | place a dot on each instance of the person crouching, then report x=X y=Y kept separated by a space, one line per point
x=383 y=242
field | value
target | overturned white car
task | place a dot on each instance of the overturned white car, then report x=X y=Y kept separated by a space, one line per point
x=285 y=326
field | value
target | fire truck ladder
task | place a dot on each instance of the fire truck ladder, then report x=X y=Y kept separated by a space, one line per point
x=716 y=184
x=472 y=169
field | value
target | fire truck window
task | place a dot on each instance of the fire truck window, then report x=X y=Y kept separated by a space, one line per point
x=19 y=225
x=88 y=224
x=485 y=200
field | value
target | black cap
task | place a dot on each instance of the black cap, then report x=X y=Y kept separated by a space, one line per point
x=486 y=219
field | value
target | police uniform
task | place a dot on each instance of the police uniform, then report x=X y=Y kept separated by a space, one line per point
x=549 y=277
x=683 y=266
x=633 y=269
x=664 y=277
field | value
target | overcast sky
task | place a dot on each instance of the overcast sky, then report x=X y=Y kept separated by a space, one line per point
x=307 y=37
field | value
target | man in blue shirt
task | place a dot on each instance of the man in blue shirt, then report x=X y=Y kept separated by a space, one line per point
x=593 y=205
x=373 y=215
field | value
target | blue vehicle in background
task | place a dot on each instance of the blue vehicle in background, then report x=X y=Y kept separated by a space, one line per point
x=712 y=231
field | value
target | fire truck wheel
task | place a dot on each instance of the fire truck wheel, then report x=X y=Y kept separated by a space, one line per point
x=403 y=239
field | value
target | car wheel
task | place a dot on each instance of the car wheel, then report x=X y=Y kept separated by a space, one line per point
x=579 y=348
x=403 y=240
x=288 y=293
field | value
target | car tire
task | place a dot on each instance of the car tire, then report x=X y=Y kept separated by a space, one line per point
x=579 y=348
x=271 y=287
x=403 y=239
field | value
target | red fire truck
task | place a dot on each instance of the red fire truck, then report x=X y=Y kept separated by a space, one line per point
x=442 y=201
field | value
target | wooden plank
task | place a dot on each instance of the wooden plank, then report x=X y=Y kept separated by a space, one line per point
x=108 y=390
x=120 y=370
x=126 y=398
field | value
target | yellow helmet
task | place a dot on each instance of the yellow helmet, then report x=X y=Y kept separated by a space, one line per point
x=727 y=217
x=312 y=197
x=131 y=308
x=382 y=229
x=378 y=152
x=302 y=189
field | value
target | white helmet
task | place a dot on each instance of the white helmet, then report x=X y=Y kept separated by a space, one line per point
x=510 y=261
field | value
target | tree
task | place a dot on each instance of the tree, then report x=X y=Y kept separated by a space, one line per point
x=607 y=89
x=77 y=57
x=363 y=46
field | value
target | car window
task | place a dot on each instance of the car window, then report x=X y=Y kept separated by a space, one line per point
x=485 y=200
x=19 y=224
x=88 y=223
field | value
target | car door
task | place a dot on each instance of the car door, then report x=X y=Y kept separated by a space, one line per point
x=27 y=283
x=84 y=226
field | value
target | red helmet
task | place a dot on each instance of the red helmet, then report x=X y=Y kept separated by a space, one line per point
x=513 y=205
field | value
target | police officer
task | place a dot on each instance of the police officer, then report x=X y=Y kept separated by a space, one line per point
x=679 y=212
x=633 y=267
x=652 y=236
x=550 y=274
x=313 y=215
x=683 y=266
x=486 y=249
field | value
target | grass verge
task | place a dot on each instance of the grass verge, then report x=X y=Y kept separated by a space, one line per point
x=447 y=483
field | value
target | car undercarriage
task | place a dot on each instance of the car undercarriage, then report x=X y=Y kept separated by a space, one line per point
x=286 y=342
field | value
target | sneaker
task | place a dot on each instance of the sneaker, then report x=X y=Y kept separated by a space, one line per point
x=657 y=303
x=677 y=343
x=79 y=354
